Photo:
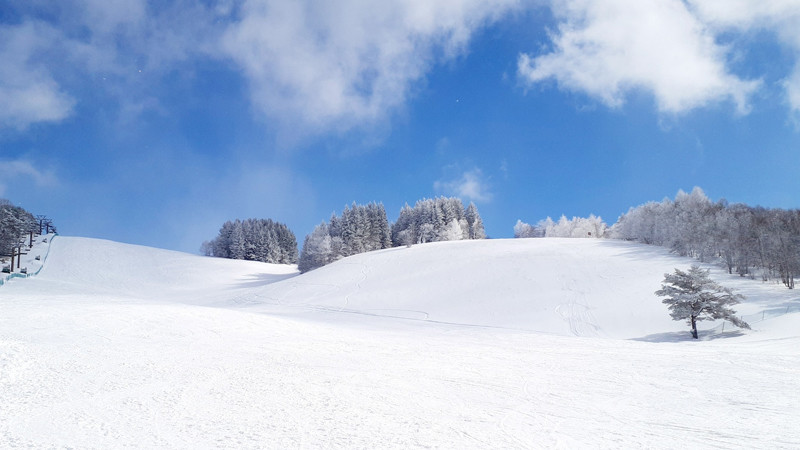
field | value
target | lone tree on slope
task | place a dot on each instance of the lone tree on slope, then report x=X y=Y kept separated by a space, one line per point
x=693 y=296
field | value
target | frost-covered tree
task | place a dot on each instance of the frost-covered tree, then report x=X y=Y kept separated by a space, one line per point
x=253 y=240
x=526 y=230
x=577 y=227
x=474 y=222
x=15 y=224
x=360 y=228
x=316 y=249
x=207 y=248
x=438 y=219
x=452 y=232
x=693 y=296
x=745 y=239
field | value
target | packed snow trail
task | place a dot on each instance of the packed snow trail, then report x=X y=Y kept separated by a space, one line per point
x=129 y=353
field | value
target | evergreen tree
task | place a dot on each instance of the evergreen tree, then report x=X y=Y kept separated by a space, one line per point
x=360 y=228
x=237 y=246
x=693 y=296
x=474 y=223
x=439 y=219
x=254 y=240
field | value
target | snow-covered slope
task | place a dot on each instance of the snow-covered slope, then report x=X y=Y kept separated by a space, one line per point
x=437 y=345
x=582 y=287
x=118 y=270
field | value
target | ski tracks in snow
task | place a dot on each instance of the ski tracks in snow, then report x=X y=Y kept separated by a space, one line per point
x=577 y=312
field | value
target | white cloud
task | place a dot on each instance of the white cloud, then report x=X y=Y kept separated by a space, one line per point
x=312 y=66
x=471 y=185
x=781 y=17
x=326 y=66
x=607 y=49
x=332 y=66
x=121 y=48
x=28 y=92
x=21 y=171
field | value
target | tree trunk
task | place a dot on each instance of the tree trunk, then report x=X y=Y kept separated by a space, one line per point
x=694 y=328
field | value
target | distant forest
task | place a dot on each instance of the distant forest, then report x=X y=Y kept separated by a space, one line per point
x=360 y=228
x=254 y=240
x=750 y=241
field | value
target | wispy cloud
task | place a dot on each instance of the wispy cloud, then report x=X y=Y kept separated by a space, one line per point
x=780 y=17
x=470 y=185
x=121 y=49
x=608 y=49
x=23 y=171
x=311 y=66
x=252 y=191
x=335 y=66
x=317 y=67
x=28 y=92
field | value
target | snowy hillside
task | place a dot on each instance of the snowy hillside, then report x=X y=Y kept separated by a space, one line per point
x=540 y=343
x=583 y=287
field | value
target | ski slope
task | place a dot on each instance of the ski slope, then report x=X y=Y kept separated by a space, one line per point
x=540 y=343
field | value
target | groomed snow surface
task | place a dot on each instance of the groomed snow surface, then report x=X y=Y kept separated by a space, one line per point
x=535 y=343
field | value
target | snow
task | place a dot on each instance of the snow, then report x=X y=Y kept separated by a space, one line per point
x=534 y=343
x=28 y=260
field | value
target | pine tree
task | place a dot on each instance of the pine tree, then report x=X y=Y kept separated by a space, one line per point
x=254 y=240
x=693 y=296
x=439 y=219
x=474 y=222
x=237 y=246
x=361 y=228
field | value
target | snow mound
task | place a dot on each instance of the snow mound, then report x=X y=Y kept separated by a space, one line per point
x=575 y=287
x=581 y=287
x=132 y=271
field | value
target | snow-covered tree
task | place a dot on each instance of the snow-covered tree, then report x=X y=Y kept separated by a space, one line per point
x=474 y=222
x=526 y=230
x=693 y=296
x=254 y=240
x=316 y=249
x=15 y=224
x=452 y=232
x=578 y=227
x=361 y=228
x=743 y=238
x=438 y=219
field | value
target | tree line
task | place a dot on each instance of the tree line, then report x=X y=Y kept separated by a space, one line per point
x=15 y=224
x=359 y=229
x=577 y=227
x=254 y=240
x=437 y=219
x=363 y=228
x=749 y=241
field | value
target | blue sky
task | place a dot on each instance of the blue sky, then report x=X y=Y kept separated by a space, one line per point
x=154 y=122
